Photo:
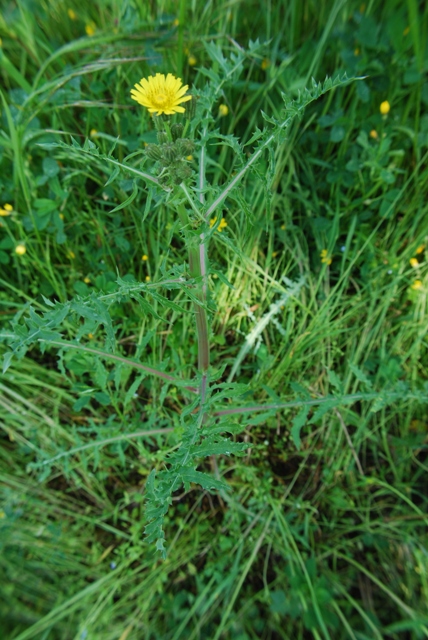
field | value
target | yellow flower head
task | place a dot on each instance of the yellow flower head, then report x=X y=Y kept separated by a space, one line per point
x=419 y=250
x=20 y=249
x=385 y=107
x=93 y=133
x=221 y=226
x=414 y=262
x=160 y=94
x=192 y=60
x=265 y=63
x=417 y=285
x=374 y=134
x=6 y=210
x=325 y=258
x=90 y=28
x=145 y=257
x=72 y=14
x=223 y=110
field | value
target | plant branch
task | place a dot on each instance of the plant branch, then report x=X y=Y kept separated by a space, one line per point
x=348 y=399
x=122 y=360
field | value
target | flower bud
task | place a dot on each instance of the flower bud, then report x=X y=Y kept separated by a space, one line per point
x=184 y=172
x=177 y=130
x=186 y=147
x=170 y=153
x=162 y=137
x=153 y=152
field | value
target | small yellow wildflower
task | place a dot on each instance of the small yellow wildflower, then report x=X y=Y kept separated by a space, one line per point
x=384 y=107
x=90 y=336
x=223 y=110
x=420 y=249
x=2 y=514
x=144 y=257
x=374 y=134
x=90 y=28
x=20 y=249
x=6 y=210
x=93 y=133
x=72 y=14
x=161 y=94
x=61 y=215
x=176 y=22
x=417 y=285
x=87 y=280
x=414 y=262
x=274 y=254
x=192 y=60
x=71 y=254
x=282 y=227
x=189 y=158
x=147 y=278
x=356 y=52
x=325 y=258
x=221 y=226
x=265 y=64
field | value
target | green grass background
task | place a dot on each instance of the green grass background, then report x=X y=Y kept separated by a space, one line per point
x=304 y=545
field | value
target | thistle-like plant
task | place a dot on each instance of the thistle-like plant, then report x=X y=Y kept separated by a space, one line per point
x=185 y=127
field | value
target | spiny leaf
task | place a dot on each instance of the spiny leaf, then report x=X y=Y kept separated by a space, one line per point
x=128 y=200
x=94 y=152
x=299 y=422
x=361 y=376
x=203 y=479
x=226 y=447
x=335 y=380
x=323 y=409
x=259 y=418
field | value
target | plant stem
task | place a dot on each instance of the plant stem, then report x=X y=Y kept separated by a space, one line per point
x=198 y=270
x=198 y=266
